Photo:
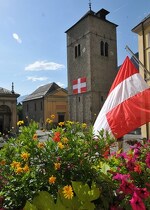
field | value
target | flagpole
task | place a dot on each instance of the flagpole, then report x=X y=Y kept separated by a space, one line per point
x=146 y=79
x=138 y=62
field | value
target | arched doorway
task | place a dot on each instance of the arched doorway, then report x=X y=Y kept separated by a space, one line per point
x=5 y=118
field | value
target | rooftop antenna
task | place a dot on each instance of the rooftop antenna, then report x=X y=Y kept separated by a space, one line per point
x=90 y=5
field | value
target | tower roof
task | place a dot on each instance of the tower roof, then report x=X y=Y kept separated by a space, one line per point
x=101 y=14
x=4 y=91
x=42 y=91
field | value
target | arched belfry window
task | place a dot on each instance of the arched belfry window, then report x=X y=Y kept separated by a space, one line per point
x=106 y=49
x=77 y=51
x=102 y=47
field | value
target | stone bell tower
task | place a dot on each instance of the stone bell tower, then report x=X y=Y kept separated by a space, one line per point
x=91 y=64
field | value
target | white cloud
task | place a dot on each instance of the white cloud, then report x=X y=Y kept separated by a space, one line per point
x=34 y=78
x=17 y=38
x=43 y=65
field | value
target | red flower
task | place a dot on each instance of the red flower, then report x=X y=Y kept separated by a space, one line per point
x=142 y=193
x=137 y=203
x=148 y=160
x=127 y=187
x=130 y=164
x=56 y=136
x=137 y=168
x=106 y=152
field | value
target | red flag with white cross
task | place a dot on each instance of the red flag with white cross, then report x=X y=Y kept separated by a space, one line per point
x=79 y=85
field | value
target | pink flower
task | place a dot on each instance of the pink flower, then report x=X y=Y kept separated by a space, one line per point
x=127 y=187
x=137 y=145
x=137 y=203
x=137 y=152
x=148 y=160
x=121 y=177
x=122 y=155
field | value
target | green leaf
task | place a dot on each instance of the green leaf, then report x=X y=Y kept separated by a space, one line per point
x=94 y=192
x=87 y=206
x=29 y=206
x=84 y=192
x=44 y=201
x=104 y=167
x=70 y=204
x=59 y=205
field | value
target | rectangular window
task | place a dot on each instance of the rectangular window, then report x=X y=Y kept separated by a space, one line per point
x=61 y=118
x=76 y=51
x=148 y=39
x=79 y=53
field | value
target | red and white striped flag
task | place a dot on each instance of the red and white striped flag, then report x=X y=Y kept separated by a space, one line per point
x=79 y=85
x=127 y=106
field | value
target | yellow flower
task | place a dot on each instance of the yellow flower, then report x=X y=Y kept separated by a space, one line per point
x=84 y=125
x=25 y=155
x=2 y=162
x=35 y=137
x=65 y=140
x=40 y=145
x=68 y=192
x=60 y=145
x=15 y=164
x=21 y=122
x=52 y=116
x=70 y=122
x=61 y=123
x=57 y=166
x=19 y=170
x=52 y=179
x=48 y=120
x=26 y=168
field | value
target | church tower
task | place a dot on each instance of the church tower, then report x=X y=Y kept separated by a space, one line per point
x=91 y=64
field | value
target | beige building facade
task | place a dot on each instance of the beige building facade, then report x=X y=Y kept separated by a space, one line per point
x=91 y=54
x=47 y=100
x=143 y=32
x=8 y=110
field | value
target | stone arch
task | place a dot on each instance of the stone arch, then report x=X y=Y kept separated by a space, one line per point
x=5 y=118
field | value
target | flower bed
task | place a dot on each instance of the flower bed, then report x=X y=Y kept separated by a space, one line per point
x=72 y=170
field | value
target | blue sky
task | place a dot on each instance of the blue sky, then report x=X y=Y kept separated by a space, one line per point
x=33 y=39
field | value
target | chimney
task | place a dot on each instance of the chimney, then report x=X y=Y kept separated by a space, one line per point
x=102 y=14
